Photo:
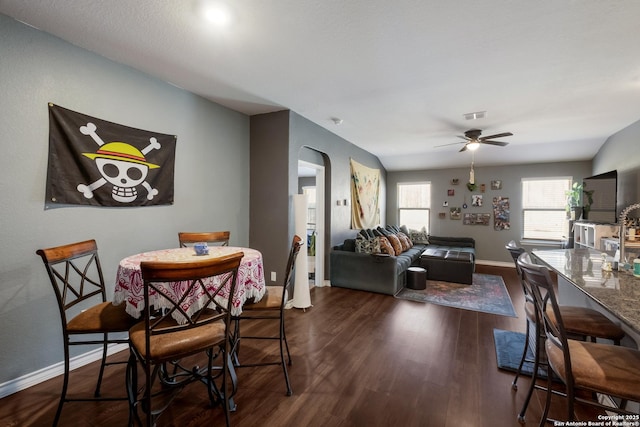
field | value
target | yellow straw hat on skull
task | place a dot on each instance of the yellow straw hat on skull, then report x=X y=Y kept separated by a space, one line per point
x=121 y=151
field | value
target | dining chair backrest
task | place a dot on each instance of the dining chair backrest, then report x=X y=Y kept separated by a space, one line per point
x=296 y=244
x=210 y=237
x=541 y=287
x=76 y=275
x=515 y=251
x=213 y=278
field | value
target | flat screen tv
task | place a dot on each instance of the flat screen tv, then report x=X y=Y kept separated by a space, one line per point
x=604 y=188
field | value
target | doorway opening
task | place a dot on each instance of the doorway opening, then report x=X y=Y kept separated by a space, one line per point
x=311 y=182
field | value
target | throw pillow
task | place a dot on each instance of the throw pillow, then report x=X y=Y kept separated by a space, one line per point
x=405 y=240
x=367 y=246
x=419 y=236
x=385 y=246
x=395 y=242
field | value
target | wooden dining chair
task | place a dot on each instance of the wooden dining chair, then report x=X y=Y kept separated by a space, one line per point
x=270 y=308
x=580 y=323
x=220 y=238
x=583 y=366
x=170 y=332
x=76 y=276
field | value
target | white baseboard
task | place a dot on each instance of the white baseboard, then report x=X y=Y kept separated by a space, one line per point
x=44 y=374
x=495 y=263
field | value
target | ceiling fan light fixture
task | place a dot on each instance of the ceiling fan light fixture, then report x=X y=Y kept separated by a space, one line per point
x=473 y=146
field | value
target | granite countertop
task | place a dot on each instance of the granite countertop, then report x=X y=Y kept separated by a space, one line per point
x=617 y=291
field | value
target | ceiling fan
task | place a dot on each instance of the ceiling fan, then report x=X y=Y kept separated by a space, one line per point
x=472 y=139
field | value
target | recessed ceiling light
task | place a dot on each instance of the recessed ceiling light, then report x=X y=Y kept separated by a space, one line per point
x=217 y=13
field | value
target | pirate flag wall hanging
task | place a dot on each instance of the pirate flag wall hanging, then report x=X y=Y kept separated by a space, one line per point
x=100 y=163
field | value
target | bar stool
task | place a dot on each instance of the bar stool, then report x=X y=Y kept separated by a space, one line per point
x=582 y=366
x=579 y=322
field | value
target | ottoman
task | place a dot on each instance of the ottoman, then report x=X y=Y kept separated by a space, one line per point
x=449 y=265
x=416 y=278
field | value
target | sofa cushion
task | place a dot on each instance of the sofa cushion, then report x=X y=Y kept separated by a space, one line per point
x=349 y=245
x=404 y=262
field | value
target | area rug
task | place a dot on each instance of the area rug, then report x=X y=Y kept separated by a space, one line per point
x=509 y=346
x=487 y=294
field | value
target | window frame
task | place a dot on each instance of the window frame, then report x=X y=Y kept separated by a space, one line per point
x=401 y=208
x=563 y=232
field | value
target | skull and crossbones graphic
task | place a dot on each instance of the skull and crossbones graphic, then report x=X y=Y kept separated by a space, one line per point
x=120 y=164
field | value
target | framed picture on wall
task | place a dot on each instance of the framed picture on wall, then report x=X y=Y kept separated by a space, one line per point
x=455 y=213
x=496 y=184
x=476 y=219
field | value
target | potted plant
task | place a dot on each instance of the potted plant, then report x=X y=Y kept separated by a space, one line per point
x=573 y=200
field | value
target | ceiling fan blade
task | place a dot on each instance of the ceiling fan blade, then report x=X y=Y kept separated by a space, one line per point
x=452 y=143
x=463 y=148
x=500 y=143
x=464 y=137
x=498 y=135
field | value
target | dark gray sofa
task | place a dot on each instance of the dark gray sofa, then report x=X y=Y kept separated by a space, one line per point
x=386 y=274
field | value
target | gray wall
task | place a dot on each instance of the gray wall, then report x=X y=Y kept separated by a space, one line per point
x=489 y=242
x=269 y=190
x=211 y=178
x=620 y=152
x=338 y=151
x=272 y=225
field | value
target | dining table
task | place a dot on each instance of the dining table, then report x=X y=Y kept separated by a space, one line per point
x=250 y=283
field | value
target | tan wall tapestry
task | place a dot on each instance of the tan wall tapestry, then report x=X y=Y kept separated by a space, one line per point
x=365 y=191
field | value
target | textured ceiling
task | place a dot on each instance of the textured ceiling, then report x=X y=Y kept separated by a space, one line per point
x=561 y=75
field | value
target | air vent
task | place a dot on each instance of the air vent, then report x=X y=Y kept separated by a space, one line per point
x=476 y=115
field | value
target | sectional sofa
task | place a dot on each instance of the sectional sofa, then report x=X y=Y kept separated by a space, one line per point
x=374 y=270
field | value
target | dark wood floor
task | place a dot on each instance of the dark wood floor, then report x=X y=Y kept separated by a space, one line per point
x=359 y=359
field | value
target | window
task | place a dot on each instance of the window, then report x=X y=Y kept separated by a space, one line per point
x=414 y=204
x=544 y=208
x=310 y=192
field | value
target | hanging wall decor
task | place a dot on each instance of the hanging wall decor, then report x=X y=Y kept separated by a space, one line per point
x=501 y=213
x=476 y=200
x=476 y=219
x=365 y=189
x=100 y=163
x=455 y=213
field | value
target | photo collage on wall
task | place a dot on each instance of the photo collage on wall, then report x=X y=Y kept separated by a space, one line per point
x=500 y=207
